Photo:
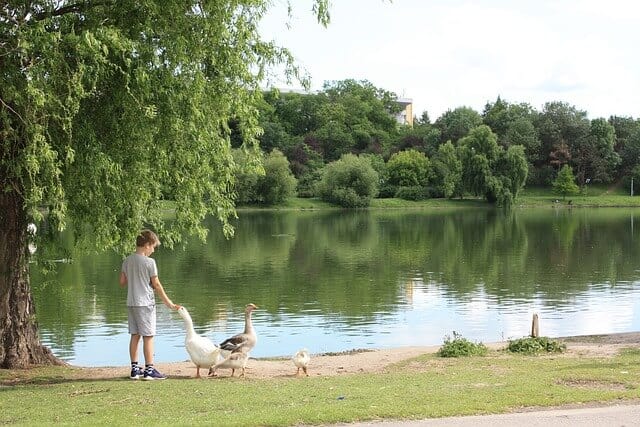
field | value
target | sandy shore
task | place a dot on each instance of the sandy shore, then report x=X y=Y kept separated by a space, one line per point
x=368 y=361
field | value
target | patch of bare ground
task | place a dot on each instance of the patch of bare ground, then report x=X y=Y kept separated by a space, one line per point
x=593 y=384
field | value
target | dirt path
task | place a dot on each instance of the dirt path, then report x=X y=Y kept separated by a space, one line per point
x=371 y=361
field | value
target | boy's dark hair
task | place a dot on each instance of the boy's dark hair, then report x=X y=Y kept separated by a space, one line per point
x=147 y=237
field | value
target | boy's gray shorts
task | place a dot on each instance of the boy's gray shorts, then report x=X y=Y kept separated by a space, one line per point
x=142 y=320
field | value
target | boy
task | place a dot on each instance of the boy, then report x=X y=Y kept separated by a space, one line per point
x=140 y=274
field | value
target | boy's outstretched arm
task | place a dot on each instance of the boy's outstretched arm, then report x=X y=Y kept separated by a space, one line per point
x=157 y=286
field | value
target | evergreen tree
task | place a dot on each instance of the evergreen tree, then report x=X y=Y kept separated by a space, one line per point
x=565 y=183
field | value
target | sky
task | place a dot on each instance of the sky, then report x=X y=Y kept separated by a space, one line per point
x=445 y=54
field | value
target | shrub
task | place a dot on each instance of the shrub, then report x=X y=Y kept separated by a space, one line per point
x=387 y=191
x=246 y=176
x=459 y=346
x=409 y=168
x=535 y=345
x=349 y=182
x=414 y=192
x=278 y=183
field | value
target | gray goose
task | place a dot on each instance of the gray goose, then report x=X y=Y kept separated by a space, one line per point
x=243 y=342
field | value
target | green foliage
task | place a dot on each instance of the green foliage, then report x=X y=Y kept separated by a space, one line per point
x=278 y=183
x=408 y=168
x=422 y=136
x=460 y=346
x=349 y=182
x=565 y=184
x=447 y=169
x=562 y=128
x=457 y=123
x=413 y=192
x=245 y=177
x=107 y=108
x=269 y=184
x=535 y=345
x=513 y=124
x=602 y=160
x=489 y=170
x=348 y=116
x=513 y=167
x=630 y=152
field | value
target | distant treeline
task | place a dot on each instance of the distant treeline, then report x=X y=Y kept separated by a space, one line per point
x=462 y=151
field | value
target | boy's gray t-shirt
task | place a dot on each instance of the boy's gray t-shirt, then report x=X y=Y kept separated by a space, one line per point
x=139 y=270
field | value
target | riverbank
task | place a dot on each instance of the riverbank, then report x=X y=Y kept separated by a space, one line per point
x=528 y=199
x=369 y=360
x=386 y=384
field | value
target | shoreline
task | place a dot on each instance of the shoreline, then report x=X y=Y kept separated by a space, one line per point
x=362 y=361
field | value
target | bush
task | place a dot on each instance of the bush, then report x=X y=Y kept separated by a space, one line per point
x=535 y=345
x=246 y=176
x=270 y=184
x=414 y=192
x=409 y=168
x=349 y=182
x=278 y=183
x=459 y=346
x=307 y=184
x=388 y=191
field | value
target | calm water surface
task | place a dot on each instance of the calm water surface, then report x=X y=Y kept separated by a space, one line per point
x=339 y=280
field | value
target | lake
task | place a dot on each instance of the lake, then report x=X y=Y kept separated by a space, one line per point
x=332 y=281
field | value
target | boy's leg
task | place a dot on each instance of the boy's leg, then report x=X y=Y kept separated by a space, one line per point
x=150 y=372
x=147 y=349
x=134 y=343
x=136 y=371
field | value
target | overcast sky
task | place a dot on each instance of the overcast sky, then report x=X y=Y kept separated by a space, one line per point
x=449 y=53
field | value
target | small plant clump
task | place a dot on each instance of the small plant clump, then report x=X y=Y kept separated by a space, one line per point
x=535 y=345
x=459 y=346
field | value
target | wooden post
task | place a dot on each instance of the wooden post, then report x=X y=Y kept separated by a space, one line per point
x=534 y=326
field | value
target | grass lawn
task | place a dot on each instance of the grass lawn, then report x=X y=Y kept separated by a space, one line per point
x=424 y=387
x=591 y=196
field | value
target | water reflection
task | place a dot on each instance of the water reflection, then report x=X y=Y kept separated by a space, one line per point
x=333 y=281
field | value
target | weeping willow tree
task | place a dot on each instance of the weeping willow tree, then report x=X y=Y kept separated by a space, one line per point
x=109 y=107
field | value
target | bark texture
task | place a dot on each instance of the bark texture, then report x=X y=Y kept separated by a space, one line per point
x=20 y=345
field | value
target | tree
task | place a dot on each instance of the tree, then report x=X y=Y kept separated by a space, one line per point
x=562 y=128
x=513 y=167
x=108 y=107
x=489 y=170
x=422 y=137
x=625 y=129
x=631 y=153
x=565 y=183
x=358 y=118
x=457 y=123
x=447 y=169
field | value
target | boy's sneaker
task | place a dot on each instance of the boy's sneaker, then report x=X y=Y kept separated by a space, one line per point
x=136 y=372
x=152 y=373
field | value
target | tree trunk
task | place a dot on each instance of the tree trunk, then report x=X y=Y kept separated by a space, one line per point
x=19 y=341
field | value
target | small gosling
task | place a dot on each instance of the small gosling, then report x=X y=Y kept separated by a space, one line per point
x=301 y=360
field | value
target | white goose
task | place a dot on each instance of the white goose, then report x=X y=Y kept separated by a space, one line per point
x=202 y=351
x=233 y=361
x=301 y=360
